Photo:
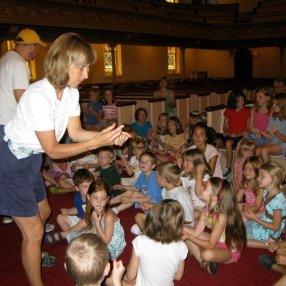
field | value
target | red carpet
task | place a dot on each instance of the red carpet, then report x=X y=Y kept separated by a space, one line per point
x=246 y=272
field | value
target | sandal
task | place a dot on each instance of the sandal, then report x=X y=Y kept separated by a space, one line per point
x=54 y=237
x=266 y=261
x=210 y=267
x=48 y=260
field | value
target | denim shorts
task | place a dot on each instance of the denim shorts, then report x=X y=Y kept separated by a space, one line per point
x=21 y=184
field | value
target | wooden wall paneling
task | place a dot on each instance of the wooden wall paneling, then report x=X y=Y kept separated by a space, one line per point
x=214 y=98
x=157 y=106
x=183 y=109
x=194 y=103
x=126 y=110
x=204 y=101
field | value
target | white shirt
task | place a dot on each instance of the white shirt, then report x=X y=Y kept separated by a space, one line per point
x=184 y=198
x=210 y=152
x=40 y=110
x=189 y=185
x=14 y=74
x=158 y=262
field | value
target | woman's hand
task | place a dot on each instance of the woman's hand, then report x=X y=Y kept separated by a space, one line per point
x=108 y=136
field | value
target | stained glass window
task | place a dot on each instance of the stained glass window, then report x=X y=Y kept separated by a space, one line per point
x=108 y=59
x=171 y=58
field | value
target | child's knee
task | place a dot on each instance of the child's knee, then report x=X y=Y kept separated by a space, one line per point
x=207 y=255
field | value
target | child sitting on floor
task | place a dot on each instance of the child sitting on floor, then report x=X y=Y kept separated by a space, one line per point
x=228 y=236
x=87 y=262
x=58 y=177
x=70 y=217
x=158 y=256
x=107 y=169
x=146 y=188
x=168 y=176
x=139 y=146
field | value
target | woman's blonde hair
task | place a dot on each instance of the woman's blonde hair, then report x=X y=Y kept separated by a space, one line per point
x=68 y=49
x=165 y=222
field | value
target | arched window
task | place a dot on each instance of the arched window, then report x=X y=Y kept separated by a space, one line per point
x=108 y=60
x=10 y=45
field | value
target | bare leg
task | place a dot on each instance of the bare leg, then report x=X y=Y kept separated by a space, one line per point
x=229 y=153
x=219 y=255
x=274 y=149
x=117 y=199
x=140 y=220
x=281 y=281
x=63 y=222
x=256 y=244
x=32 y=234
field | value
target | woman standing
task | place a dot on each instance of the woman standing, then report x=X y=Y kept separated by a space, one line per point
x=163 y=91
x=47 y=109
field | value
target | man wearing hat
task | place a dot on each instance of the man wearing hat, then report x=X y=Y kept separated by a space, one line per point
x=15 y=74
x=14 y=79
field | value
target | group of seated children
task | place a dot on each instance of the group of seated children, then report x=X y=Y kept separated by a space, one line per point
x=175 y=180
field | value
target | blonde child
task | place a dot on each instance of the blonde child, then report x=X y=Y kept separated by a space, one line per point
x=276 y=131
x=107 y=169
x=87 y=262
x=174 y=141
x=211 y=153
x=272 y=221
x=246 y=149
x=260 y=115
x=253 y=195
x=94 y=110
x=196 y=171
x=139 y=146
x=109 y=107
x=146 y=187
x=157 y=138
x=158 y=256
x=101 y=220
x=228 y=236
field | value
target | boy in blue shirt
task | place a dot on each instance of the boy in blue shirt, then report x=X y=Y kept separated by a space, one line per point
x=72 y=216
x=147 y=188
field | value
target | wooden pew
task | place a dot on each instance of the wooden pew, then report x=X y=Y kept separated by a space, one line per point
x=126 y=111
x=183 y=108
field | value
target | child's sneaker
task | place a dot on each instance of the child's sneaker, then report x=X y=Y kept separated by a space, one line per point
x=226 y=172
x=49 y=227
x=7 y=220
x=115 y=210
x=48 y=260
x=135 y=229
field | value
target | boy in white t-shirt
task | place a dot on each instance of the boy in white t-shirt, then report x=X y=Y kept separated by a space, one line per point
x=168 y=175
